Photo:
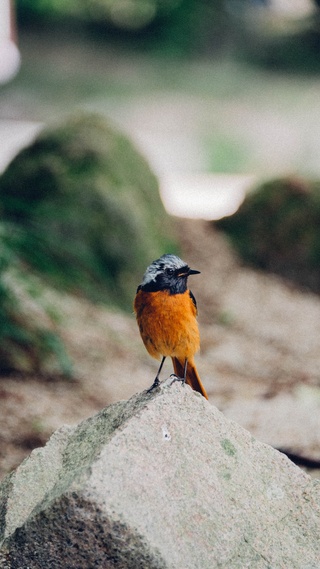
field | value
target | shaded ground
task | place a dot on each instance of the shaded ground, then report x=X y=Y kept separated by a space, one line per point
x=259 y=360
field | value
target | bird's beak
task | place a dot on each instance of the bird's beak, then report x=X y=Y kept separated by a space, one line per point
x=186 y=272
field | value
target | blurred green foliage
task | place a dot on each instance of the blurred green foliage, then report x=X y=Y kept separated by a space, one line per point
x=277 y=228
x=252 y=29
x=226 y=154
x=278 y=36
x=81 y=209
x=29 y=339
x=297 y=51
x=178 y=26
x=107 y=9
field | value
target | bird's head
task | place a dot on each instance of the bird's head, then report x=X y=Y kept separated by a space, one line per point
x=169 y=272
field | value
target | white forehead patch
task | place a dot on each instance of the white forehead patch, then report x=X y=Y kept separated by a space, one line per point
x=159 y=265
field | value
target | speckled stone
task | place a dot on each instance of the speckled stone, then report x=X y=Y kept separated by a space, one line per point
x=163 y=480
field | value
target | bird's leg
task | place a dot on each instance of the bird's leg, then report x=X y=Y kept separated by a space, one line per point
x=182 y=379
x=185 y=370
x=157 y=381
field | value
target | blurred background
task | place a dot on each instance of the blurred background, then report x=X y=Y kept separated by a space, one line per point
x=225 y=87
x=105 y=105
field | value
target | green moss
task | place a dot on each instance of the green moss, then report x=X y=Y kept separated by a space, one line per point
x=90 y=209
x=80 y=210
x=277 y=228
x=29 y=340
x=228 y=447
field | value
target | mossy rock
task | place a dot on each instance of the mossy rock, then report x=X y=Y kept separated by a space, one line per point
x=29 y=338
x=80 y=211
x=88 y=209
x=277 y=228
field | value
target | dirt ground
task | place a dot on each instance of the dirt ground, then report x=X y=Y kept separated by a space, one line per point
x=259 y=359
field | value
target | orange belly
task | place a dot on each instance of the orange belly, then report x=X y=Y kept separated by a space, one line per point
x=167 y=324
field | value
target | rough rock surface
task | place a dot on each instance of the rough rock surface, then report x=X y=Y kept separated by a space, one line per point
x=162 y=480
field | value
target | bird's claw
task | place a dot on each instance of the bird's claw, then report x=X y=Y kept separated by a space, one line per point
x=175 y=377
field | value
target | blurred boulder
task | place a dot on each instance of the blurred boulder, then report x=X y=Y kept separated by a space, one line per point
x=88 y=210
x=277 y=228
x=29 y=337
x=162 y=480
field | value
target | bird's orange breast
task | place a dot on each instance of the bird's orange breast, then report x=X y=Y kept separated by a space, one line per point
x=167 y=323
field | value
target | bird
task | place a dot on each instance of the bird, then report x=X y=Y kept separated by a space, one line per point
x=166 y=312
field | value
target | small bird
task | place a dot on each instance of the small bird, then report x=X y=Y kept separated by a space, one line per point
x=166 y=313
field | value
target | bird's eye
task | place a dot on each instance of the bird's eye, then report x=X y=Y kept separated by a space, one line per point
x=169 y=272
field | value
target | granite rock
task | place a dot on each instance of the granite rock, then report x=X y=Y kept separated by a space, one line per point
x=163 y=480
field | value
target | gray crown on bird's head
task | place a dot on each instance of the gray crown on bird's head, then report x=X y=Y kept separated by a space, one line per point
x=159 y=266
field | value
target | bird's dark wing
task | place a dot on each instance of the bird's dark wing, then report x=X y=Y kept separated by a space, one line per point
x=193 y=299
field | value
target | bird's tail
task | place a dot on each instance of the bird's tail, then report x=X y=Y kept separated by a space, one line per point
x=192 y=376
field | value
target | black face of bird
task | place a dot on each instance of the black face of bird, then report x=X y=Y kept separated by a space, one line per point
x=169 y=272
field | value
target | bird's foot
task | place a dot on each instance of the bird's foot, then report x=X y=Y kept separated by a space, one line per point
x=155 y=384
x=175 y=377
